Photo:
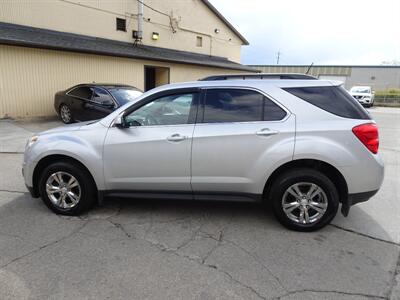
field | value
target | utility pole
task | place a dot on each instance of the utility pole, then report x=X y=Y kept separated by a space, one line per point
x=278 y=56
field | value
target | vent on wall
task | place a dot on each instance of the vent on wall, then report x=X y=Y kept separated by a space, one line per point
x=121 y=24
x=199 y=41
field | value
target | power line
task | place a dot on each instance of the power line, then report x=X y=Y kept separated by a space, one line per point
x=98 y=9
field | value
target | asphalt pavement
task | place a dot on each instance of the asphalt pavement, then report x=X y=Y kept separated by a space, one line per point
x=132 y=249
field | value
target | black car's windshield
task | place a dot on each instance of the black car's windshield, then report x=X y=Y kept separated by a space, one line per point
x=124 y=95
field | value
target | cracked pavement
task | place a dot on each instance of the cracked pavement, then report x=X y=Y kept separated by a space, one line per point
x=130 y=249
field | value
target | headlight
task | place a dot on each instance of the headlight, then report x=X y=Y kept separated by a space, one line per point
x=31 y=141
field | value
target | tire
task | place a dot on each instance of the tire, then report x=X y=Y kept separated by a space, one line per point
x=85 y=192
x=66 y=114
x=303 y=179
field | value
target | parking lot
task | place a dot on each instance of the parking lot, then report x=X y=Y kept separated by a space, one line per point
x=129 y=249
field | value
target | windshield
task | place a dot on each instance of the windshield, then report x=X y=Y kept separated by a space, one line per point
x=124 y=95
x=359 y=89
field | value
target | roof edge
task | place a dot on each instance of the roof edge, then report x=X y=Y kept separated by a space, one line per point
x=329 y=66
x=4 y=40
x=227 y=23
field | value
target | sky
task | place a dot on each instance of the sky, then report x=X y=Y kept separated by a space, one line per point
x=321 y=31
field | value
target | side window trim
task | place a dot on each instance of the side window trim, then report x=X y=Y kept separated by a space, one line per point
x=158 y=95
x=108 y=93
x=193 y=107
x=77 y=87
x=200 y=113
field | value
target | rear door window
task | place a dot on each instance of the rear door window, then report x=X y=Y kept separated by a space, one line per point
x=239 y=105
x=333 y=99
x=101 y=96
x=82 y=92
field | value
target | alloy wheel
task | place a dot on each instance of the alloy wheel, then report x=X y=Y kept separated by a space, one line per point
x=63 y=190
x=304 y=203
x=65 y=113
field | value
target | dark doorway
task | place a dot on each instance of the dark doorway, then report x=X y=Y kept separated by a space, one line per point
x=155 y=76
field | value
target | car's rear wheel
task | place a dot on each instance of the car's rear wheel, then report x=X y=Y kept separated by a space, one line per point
x=67 y=188
x=66 y=114
x=304 y=199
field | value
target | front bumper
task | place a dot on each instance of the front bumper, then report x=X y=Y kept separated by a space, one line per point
x=32 y=191
x=27 y=174
x=364 y=101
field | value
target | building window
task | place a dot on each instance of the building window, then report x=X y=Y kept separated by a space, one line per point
x=199 y=41
x=121 y=24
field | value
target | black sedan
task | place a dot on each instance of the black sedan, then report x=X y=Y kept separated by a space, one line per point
x=85 y=102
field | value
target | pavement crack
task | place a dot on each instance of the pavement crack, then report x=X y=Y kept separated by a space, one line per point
x=393 y=283
x=365 y=235
x=237 y=281
x=120 y=227
x=44 y=246
x=257 y=259
x=12 y=191
x=331 y=291
x=218 y=240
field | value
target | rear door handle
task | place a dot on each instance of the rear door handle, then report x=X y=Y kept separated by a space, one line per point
x=176 y=137
x=266 y=132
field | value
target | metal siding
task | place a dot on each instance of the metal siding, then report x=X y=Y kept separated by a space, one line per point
x=30 y=77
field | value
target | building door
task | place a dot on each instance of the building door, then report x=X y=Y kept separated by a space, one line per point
x=155 y=76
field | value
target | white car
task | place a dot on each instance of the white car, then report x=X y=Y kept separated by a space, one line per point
x=302 y=146
x=363 y=94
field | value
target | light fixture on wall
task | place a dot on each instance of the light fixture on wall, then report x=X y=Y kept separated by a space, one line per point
x=216 y=30
x=155 y=36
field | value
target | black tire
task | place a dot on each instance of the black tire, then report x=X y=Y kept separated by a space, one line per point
x=298 y=175
x=63 y=116
x=87 y=187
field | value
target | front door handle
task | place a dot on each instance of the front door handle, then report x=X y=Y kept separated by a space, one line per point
x=266 y=132
x=176 y=137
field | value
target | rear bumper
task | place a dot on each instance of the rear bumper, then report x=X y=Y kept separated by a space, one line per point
x=353 y=199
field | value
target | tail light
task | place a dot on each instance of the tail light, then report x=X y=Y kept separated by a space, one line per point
x=368 y=135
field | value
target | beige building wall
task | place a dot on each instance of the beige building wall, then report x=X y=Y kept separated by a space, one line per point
x=29 y=77
x=184 y=21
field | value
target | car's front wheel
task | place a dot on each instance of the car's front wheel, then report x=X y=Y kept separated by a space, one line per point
x=67 y=188
x=66 y=114
x=304 y=199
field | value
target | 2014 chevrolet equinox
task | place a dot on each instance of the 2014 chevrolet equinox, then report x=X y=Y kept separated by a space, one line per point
x=301 y=145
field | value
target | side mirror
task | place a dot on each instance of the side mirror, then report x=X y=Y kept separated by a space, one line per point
x=120 y=122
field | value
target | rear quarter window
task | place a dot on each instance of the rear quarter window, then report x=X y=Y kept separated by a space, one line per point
x=333 y=99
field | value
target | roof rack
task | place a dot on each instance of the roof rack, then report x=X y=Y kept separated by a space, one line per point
x=260 y=76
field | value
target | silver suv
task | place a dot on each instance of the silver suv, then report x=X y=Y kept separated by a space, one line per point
x=302 y=146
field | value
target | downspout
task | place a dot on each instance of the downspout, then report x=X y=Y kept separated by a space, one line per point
x=140 y=20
